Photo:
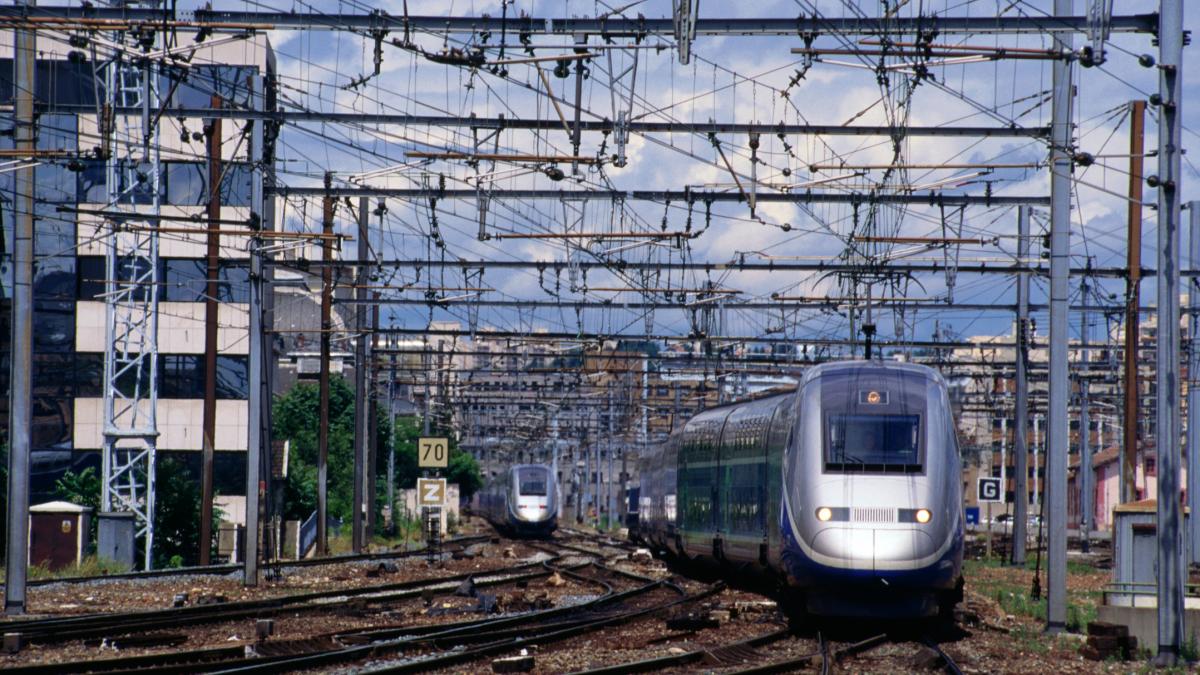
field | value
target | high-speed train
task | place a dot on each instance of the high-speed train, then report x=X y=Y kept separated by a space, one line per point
x=522 y=501
x=847 y=491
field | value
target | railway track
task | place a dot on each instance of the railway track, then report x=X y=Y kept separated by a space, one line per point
x=614 y=597
x=450 y=545
x=621 y=596
x=111 y=625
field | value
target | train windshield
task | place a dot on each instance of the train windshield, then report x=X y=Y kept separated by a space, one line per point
x=859 y=442
x=531 y=482
x=874 y=420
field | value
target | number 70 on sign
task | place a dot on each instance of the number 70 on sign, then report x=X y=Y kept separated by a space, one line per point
x=433 y=453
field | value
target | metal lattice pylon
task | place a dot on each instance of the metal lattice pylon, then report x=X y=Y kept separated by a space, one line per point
x=131 y=299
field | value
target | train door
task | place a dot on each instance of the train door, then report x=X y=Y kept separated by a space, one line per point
x=779 y=440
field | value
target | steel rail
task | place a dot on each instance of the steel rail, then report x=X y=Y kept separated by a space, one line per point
x=61 y=629
x=947 y=663
x=230 y=568
x=475 y=630
x=679 y=660
x=209 y=659
x=548 y=638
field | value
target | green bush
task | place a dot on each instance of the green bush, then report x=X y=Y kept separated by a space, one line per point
x=82 y=488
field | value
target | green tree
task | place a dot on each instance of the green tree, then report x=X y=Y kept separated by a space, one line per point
x=81 y=488
x=461 y=466
x=177 y=515
x=176 y=509
x=296 y=417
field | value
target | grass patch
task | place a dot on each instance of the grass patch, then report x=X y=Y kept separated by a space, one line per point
x=91 y=566
x=1073 y=566
x=1014 y=597
x=1032 y=640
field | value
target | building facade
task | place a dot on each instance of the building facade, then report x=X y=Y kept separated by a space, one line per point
x=73 y=232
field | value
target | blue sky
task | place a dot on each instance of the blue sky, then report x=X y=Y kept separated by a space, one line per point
x=729 y=79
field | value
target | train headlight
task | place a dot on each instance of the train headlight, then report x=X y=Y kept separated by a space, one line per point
x=824 y=514
x=923 y=516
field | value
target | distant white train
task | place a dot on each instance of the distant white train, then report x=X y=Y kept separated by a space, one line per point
x=522 y=501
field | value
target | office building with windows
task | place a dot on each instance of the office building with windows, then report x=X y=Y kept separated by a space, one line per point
x=73 y=232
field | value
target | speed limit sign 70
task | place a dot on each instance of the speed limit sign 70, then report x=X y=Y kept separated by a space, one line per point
x=433 y=453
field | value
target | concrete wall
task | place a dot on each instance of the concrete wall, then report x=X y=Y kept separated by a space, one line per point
x=406 y=505
x=1143 y=621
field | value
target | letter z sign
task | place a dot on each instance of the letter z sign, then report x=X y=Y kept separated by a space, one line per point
x=431 y=491
x=433 y=453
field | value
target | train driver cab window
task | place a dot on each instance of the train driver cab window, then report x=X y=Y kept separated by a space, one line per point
x=531 y=483
x=873 y=443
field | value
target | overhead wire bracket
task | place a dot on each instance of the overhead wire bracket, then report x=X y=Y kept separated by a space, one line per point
x=684 y=13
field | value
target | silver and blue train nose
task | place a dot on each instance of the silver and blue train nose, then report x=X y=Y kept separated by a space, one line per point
x=875 y=538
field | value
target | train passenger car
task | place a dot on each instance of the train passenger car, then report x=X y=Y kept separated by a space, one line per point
x=522 y=501
x=846 y=490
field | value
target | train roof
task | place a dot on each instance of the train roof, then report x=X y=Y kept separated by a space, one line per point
x=529 y=466
x=876 y=366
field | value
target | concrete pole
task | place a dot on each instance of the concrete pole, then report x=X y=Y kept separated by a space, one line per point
x=323 y=384
x=362 y=411
x=1003 y=457
x=391 y=460
x=612 y=502
x=1085 y=440
x=1021 y=404
x=1193 y=399
x=1038 y=477
x=373 y=421
x=1171 y=570
x=256 y=440
x=1058 y=432
x=21 y=359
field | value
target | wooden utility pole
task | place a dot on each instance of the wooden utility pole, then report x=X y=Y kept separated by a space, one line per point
x=1129 y=450
x=326 y=326
x=211 y=322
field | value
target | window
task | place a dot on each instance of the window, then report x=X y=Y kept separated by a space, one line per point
x=89 y=277
x=531 y=482
x=53 y=325
x=53 y=231
x=187 y=183
x=54 y=183
x=234 y=282
x=56 y=131
x=233 y=377
x=93 y=182
x=57 y=83
x=54 y=278
x=182 y=376
x=136 y=182
x=857 y=442
x=183 y=280
x=195 y=88
x=235 y=184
